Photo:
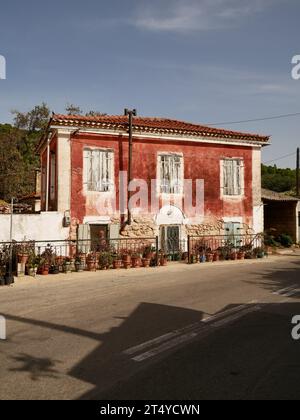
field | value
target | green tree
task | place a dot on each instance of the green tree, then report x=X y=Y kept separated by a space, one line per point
x=14 y=179
x=72 y=109
x=277 y=179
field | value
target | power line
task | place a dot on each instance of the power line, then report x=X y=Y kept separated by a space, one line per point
x=276 y=117
x=280 y=158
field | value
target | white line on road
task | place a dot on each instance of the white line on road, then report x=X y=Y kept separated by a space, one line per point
x=203 y=330
x=291 y=293
x=285 y=290
x=176 y=333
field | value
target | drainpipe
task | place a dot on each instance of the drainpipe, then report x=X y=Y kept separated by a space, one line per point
x=48 y=172
x=130 y=115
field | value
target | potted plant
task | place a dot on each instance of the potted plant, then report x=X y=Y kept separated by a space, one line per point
x=146 y=262
x=32 y=265
x=47 y=260
x=79 y=266
x=241 y=254
x=23 y=252
x=209 y=256
x=259 y=252
x=249 y=255
x=54 y=269
x=43 y=267
x=216 y=256
x=91 y=262
x=105 y=260
x=233 y=255
x=149 y=252
x=117 y=262
x=82 y=257
x=194 y=258
x=136 y=260
x=126 y=260
x=163 y=259
x=202 y=258
x=67 y=266
x=185 y=257
x=223 y=253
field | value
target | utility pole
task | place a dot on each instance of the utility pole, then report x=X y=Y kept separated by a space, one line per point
x=9 y=277
x=130 y=114
x=298 y=173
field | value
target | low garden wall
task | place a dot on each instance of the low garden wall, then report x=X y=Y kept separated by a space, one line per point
x=34 y=227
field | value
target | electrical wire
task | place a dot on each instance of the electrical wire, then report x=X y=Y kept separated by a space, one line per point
x=276 y=117
x=279 y=158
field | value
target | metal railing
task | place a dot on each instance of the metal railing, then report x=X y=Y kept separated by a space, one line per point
x=225 y=244
x=57 y=252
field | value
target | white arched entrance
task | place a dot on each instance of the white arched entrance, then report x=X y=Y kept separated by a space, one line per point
x=171 y=220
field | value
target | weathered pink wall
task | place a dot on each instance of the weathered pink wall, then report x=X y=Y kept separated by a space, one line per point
x=202 y=161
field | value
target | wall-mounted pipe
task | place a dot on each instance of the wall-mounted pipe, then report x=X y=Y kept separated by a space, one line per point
x=48 y=172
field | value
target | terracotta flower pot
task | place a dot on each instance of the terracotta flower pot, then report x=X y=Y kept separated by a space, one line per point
x=233 y=256
x=23 y=258
x=163 y=262
x=117 y=264
x=136 y=262
x=91 y=264
x=241 y=255
x=216 y=257
x=209 y=257
x=127 y=261
x=146 y=262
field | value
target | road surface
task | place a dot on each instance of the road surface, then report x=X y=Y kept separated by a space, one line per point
x=210 y=331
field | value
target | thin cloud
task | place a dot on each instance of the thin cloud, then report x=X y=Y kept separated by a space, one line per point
x=195 y=15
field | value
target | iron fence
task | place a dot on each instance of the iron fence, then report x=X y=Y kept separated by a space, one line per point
x=225 y=245
x=56 y=253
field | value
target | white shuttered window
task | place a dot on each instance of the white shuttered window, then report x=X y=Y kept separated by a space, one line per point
x=233 y=177
x=98 y=170
x=171 y=173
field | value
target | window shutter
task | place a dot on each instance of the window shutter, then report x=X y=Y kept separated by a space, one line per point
x=114 y=231
x=170 y=174
x=233 y=176
x=84 y=238
x=98 y=173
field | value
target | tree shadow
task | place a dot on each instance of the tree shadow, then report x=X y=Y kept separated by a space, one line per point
x=38 y=368
x=276 y=280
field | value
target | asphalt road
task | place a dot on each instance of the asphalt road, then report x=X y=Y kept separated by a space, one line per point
x=213 y=331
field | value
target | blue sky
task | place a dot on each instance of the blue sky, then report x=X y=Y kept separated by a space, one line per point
x=206 y=61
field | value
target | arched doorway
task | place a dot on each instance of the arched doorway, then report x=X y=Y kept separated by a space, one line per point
x=171 y=221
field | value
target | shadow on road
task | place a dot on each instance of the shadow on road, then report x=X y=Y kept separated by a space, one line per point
x=38 y=368
x=253 y=357
x=275 y=279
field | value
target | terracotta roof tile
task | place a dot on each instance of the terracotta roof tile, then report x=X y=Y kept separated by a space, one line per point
x=153 y=125
x=275 y=196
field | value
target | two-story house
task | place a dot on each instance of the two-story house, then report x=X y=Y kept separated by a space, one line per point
x=215 y=172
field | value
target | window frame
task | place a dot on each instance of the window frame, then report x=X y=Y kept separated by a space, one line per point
x=238 y=181
x=160 y=179
x=88 y=184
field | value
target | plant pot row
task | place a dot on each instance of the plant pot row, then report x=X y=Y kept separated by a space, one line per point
x=215 y=257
